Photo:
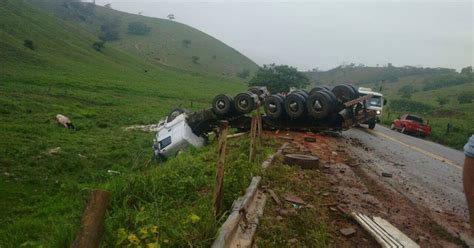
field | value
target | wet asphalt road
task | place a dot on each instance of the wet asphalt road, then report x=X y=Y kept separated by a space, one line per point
x=427 y=173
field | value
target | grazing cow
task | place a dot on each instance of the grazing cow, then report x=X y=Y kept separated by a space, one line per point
x=63 y=120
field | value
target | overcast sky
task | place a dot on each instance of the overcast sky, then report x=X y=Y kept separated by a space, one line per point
x=309 y=34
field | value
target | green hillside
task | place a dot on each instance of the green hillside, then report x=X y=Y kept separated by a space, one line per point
x=49 y=66
x=168 y=43
x=429 y=92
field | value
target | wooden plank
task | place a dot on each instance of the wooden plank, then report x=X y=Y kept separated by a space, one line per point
x=216 y=200
x=383 y=232
x=92 y=221
x=235 y=135
x=251 y=205
x=397 y=234
x=358 y=100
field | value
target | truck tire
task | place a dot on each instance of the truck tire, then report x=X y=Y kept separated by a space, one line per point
x=295 y=105
x=356 y=92
x=318 y=88
x=304 y=93
x=274 y=106
x=222 y=105
x=244 y=102
x=319 y=105
x=304 y=161
x=344 y=93
x=372 y=123
x=173 y=114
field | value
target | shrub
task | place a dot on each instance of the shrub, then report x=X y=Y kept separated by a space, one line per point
x=244 y=74
x=109 y=31
x=405 y=105
x=98 y=45
x=29 y=44
x=466 y=97
x=278 y=78
x=447 y=81
x=186 y=43
x=442 y=100
x=138 y=28
x=407 y=91
x=195 y=60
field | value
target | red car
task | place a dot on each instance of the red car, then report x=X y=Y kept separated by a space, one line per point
x=411 y=124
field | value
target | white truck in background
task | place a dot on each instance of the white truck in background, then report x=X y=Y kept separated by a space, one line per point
x=375 y=103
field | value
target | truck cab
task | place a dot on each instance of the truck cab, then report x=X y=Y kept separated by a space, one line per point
x=375 y=103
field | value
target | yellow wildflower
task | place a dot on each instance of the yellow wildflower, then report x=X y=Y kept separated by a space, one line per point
x=133 y=239
x=143 y=233
x=154 y=229
x=151 y=245
x=194 y=218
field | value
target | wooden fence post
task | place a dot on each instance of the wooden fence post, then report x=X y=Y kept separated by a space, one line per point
x=216 y=200
x=259 y=124
x=253 y=136
x=92 y=221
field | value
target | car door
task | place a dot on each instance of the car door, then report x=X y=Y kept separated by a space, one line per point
x=400 y=121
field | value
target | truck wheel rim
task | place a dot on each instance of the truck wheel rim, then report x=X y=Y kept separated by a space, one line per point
x=220 y=104
x=294 y=106
x=317 y=106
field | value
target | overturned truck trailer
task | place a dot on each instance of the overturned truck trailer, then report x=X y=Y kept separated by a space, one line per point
x=320 y=109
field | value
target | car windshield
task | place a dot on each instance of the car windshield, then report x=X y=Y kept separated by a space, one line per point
x=375 y=101
x=415 y=118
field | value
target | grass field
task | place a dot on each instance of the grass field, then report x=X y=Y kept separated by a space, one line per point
x=169 y=43
x=42 y=195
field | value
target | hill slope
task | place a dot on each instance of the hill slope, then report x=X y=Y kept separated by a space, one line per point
x=42 y=193
x=167 y=43
x=429 y=92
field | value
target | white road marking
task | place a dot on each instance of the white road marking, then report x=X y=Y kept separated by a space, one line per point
x=444 y=160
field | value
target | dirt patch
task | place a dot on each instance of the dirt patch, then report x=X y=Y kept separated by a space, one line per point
x=331 y=192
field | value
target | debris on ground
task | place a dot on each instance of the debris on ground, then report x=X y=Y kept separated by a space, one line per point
x=113 y=172
x=294 y=199
x=347 y=231
x=385 y=233
x=144 y=128
x=274 y=196
x=52 y=151
x=386 y=174
x=358 y=189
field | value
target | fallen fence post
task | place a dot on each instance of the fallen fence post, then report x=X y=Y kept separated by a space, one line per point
x=92 y=221
x=216 y=200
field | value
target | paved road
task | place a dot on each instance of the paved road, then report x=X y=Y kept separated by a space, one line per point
x=426 y=172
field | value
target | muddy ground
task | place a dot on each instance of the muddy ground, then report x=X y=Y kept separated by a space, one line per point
x=342 y=184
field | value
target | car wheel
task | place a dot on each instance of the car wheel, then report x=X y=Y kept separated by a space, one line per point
x=372 y=123
x=173 y=114
x=404 y=130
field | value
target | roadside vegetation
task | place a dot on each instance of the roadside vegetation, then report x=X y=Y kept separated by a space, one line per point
x=441 y=96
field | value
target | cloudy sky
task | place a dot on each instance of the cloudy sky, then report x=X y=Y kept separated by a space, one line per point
x=323 y=34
